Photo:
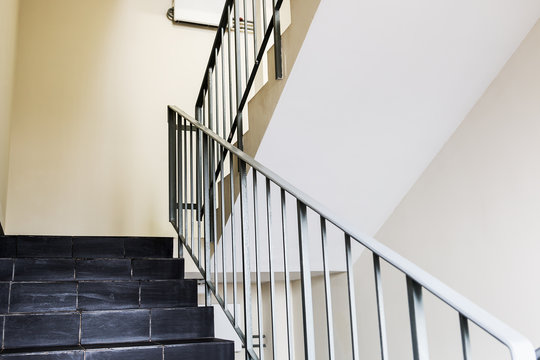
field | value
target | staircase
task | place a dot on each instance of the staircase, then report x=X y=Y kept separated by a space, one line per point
x=100 y=298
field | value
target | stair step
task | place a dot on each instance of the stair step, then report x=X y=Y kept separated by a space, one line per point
x=100 y=327
x=53 y=269
x=197 y=349
x=35 y=297
x=85 y=247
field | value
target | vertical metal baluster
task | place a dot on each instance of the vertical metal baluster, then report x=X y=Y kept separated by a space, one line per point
x=465 y=338
x=212 y=218
x=184 y=131
x=254 y=30
x=180 y=187
x=417 y=320
x=327 y=293
x=171 y=120
x=305 y=276
x=288 y=300
x=222 y=172
x=246 y=272
x=213 y=201
x=380 y=307
x=223 y=101
x=216 y=72
x=207 y=224
x=270 y=271
x=217 y=157
x=198 y=145
x=193 y=200
x=229 y=46
x=233 y=239
x=246 y=47
x=352 y=301
x=223 y=247
x=240 y=126
x=265 y=20
x=210 y=101
x=257 y=263
x=277 y=43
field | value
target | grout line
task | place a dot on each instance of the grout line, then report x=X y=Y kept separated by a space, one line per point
x=80 y=328
x=3 y=331
x=150 y=324
x=77 y=297
x=9 y=296
x=13 y=271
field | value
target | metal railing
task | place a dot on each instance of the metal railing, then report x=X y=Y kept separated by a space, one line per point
x=234 y=61
x=240 y=214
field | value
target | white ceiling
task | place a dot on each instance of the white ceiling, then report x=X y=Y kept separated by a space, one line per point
x=378 y=88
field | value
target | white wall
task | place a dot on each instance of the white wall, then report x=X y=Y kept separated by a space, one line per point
x=8 y=35
x=472 y=218
x=377 y=89
x=89 y=135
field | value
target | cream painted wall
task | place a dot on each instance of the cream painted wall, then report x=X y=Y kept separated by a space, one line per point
x=8 y=35
x=89 y=141
x=472 y=220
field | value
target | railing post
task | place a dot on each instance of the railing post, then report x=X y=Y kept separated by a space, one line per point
x=244 y=221
x=238 y=73
x=278 y=58
x=352 y=298
x=417 y=320
x=207 y=224
x=171 y=120
x=305 y=273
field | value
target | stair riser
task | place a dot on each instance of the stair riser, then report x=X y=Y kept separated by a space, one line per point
x=84 y=247
x=103 y=269
x=101 y=295
x=101 y=327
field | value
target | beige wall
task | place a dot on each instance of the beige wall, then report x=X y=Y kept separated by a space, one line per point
x=8 y=35
x=472 y=219
x=89 y=141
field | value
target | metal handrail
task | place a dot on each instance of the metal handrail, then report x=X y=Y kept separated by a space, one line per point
x=239 y=62
x=212 y=146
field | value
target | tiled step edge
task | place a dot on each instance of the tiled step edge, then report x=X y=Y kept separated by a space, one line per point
x=203 y=349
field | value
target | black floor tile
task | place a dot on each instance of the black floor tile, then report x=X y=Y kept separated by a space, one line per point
x=108 y=295
x=182 y=323
x=6 y=269
x=41 y=330
x=168 y=293
x=133 y=353
x=4 y=297
x=103 y=269
x=44 y=269
x=149 y=247
x=42 y=297
x=115 y=326
x=98 y=247
x=44 y=247
x=215 y=350
x=8 y=247
x=164 y=269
